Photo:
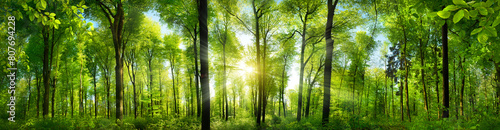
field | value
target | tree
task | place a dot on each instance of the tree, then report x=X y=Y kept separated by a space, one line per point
x=114 y=13
x=187 y=20
x=328 y=62
x=306 y=13
x=205 y=90
x=48 y=24
x=172 y=50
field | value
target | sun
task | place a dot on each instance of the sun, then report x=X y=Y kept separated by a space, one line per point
x=244 y=68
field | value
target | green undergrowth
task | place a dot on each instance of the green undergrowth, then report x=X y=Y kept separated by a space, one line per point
x=480 y=121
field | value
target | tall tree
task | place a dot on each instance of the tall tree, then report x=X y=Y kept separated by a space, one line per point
x=328 y=62
x=115 y=12
x=205 y=80
x=305 y=12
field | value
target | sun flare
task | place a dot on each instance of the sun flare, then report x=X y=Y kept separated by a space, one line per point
x=244 y=68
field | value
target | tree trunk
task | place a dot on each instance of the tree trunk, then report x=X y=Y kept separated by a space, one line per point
x=173 y=83
x=259 y=75
x=437 y=81
x=328 y=63
x=202 y=17
x=462 y=88
x=29 y=94
x=38 y=97
x=282 y=91
x=422 y=74
x=46 y=72
x=196 y=75
x=401 y=100
x=151 y=83
x=80 y=92
x=95 y=92
x=446 y=95
x=224 y=76
x=116 y=24
x=302 y=66
x=497 y=68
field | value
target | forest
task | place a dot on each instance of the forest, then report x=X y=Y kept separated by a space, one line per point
x=250 y=64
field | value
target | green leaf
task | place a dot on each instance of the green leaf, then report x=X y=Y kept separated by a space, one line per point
x=433 y=14
x=466 y=13
x=489 y=3
x=491 y=31
x=57 y=21
x=43 y=4
x=482 y=37
x=496 y=22
x=483 y=10
x=459 y=2
x=458 y=16
x=473 y=13
x=444 y=14
x=491 y=11
x=52 y=14
x=32 y=16
x=475 y=31
x=450 y=8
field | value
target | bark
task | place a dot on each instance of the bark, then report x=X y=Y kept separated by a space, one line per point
x=29 y=94
x=95 y=91
x=446 y=95
x=437 y=81
x=131 y=72
x=173 y=83
x=462 y=73
x=80 y=92
x=46 y=72
x=151 y=79
x=116 y=22
x=406 y=76
x=302 y=66
x=257 y=45
x=202 y=18
x=497 y=68
x=422 y=73
x=38 y=97
x=401 y=100
x=196 y=75
x=282 y=89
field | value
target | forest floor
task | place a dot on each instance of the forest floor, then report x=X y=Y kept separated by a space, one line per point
x=248 y=123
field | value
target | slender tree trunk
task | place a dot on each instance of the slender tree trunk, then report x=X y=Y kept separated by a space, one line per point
x=46 y=72
x=202 y=17
x=260 y=81
x=173 y=84
x=72 y=98
x=437 y=81
x=302 y=67
x=462 y=88
x=446 y=95
x=196 y=75
x=224 y=76
x=38 y=97
x=401 y=100
x=95 y=92
x=29 y=94
x=328 y=63
x=80 y=92
x=422 y=74
x=151 y=84
x=353 y=88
